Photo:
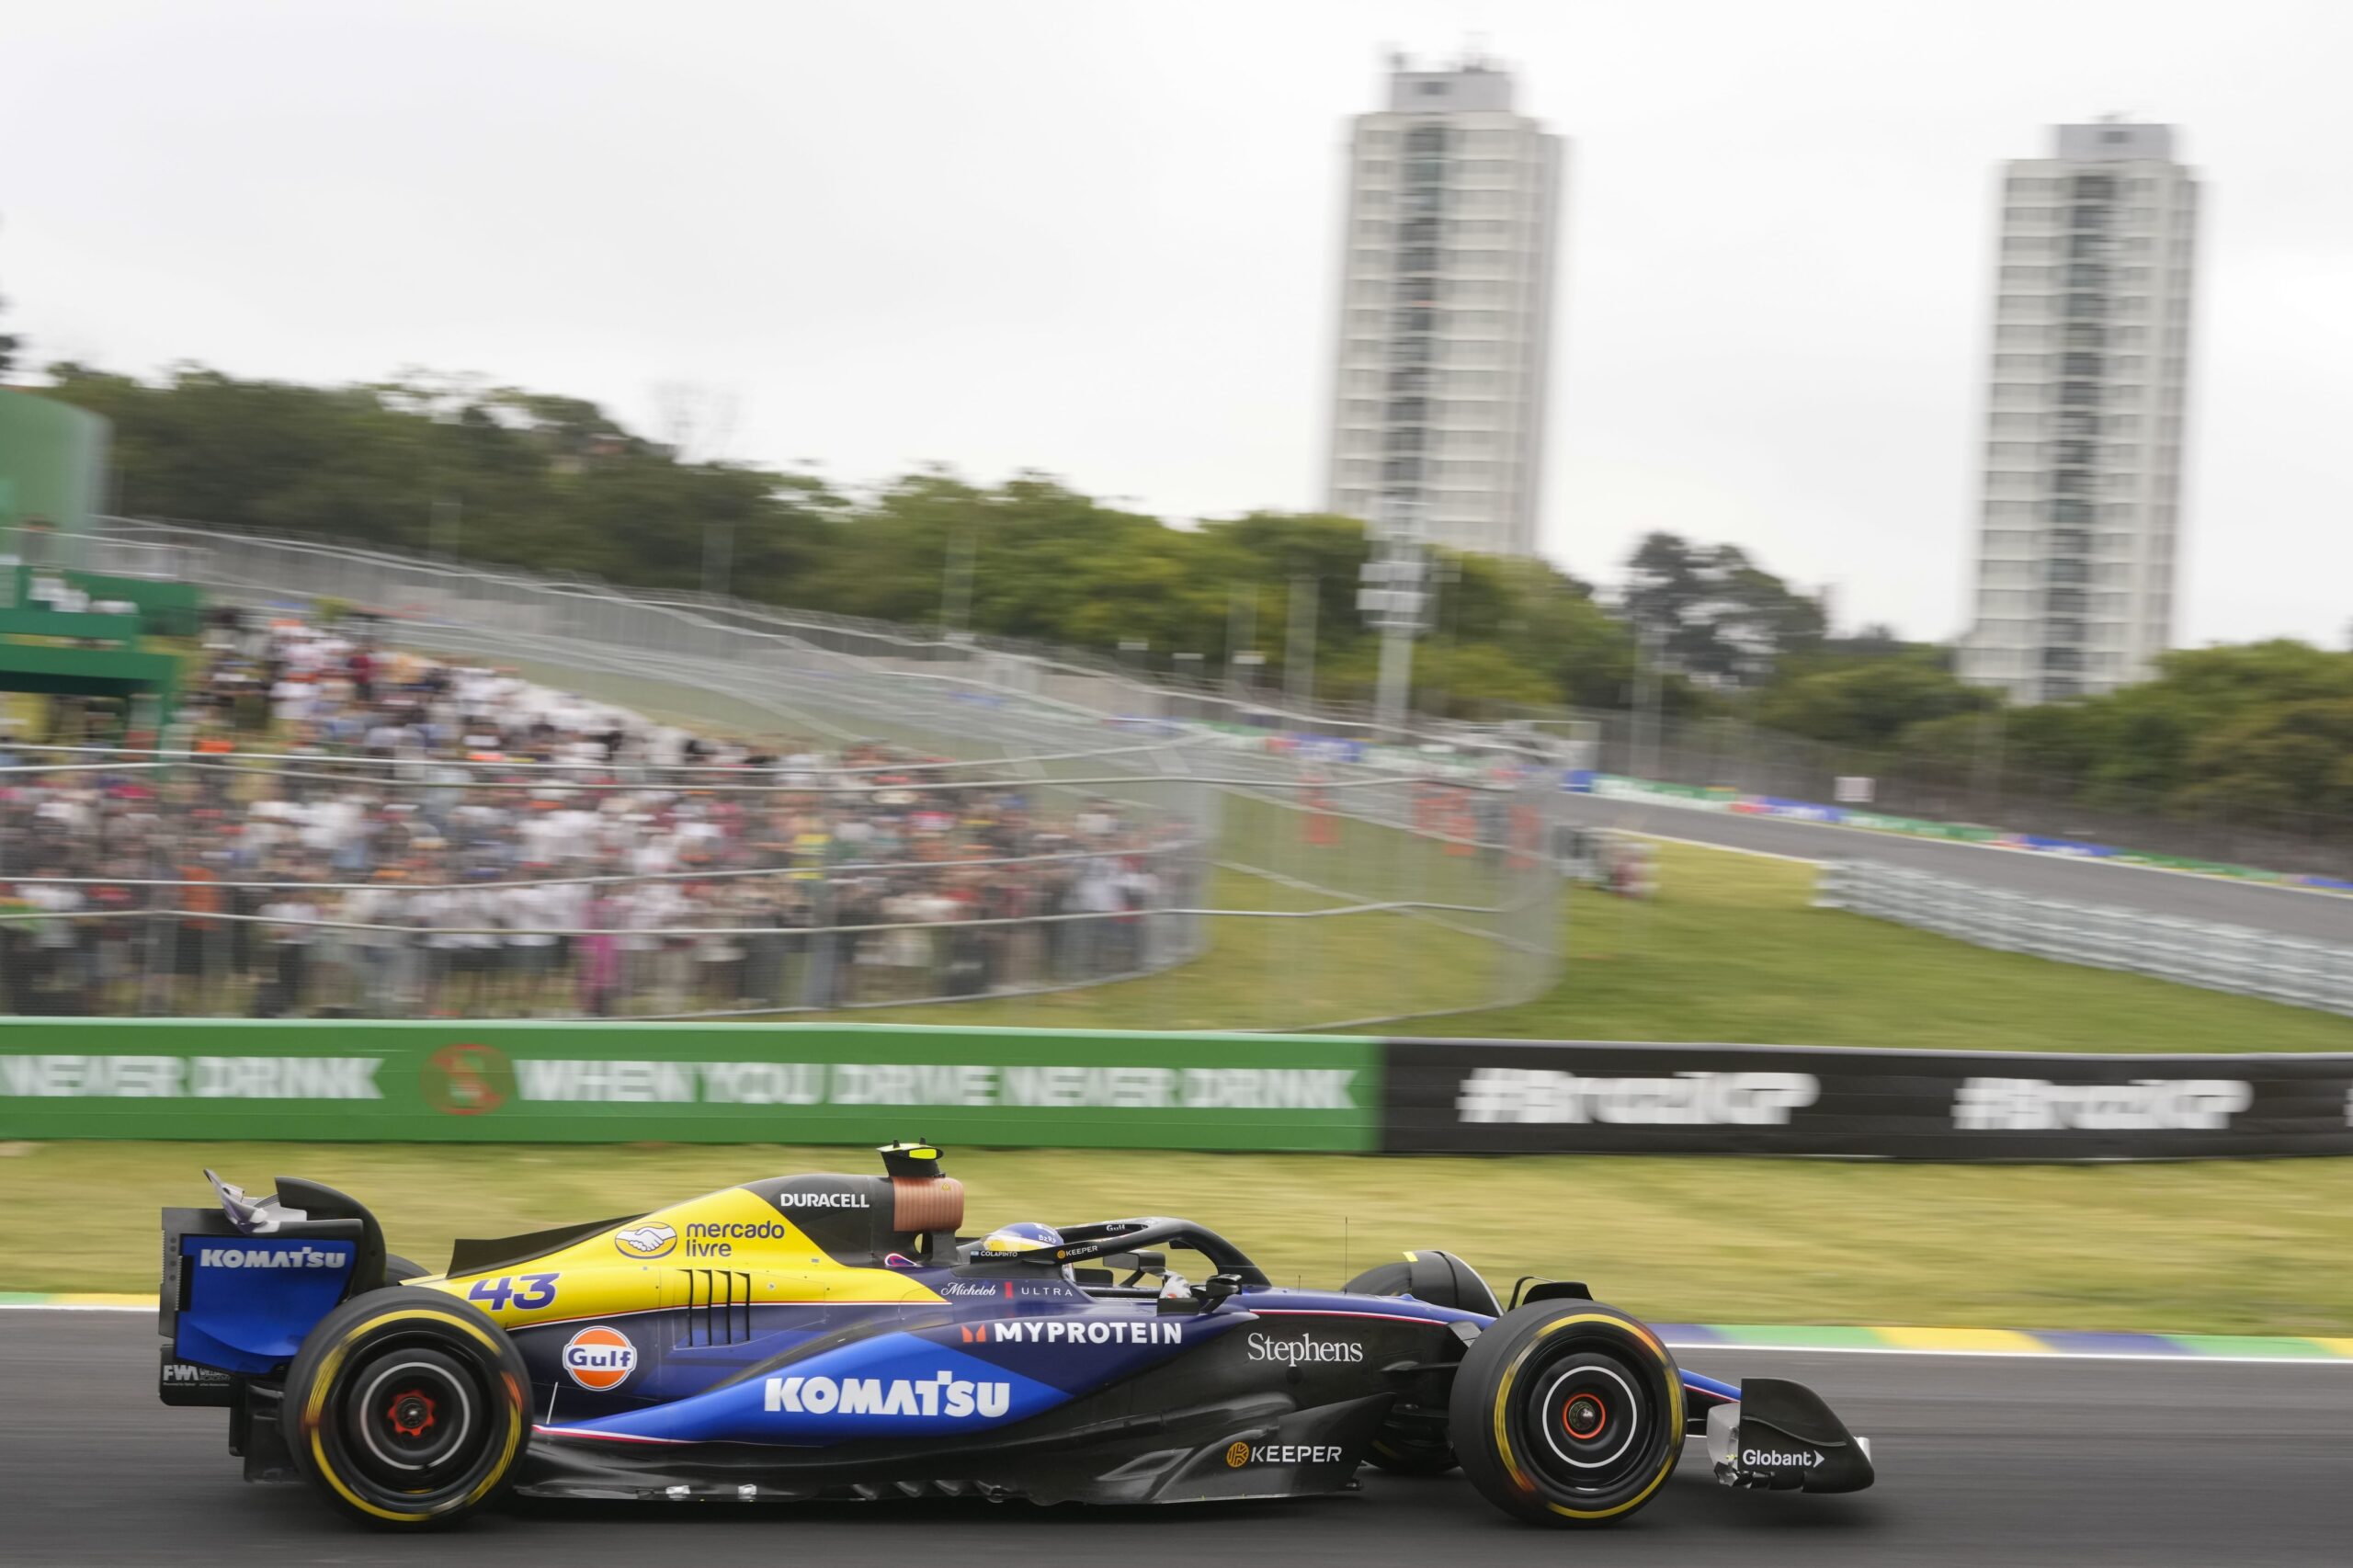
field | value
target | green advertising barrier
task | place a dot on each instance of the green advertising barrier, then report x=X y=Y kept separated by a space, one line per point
x=515 y=1081
x=1917 y=827
x=1698 y=797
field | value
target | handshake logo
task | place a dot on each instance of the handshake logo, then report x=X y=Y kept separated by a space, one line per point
x=1538 y=1094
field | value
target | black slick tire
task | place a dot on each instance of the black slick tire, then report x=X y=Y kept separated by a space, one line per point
x=406 y=1408
x=1567 y=1414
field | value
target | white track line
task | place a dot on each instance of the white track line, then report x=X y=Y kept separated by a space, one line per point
x=2181 y=1359
x=73 y=1307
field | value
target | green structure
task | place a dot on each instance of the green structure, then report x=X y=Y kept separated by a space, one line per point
x=53 y=463
x=53 y=640
x=518 y=1081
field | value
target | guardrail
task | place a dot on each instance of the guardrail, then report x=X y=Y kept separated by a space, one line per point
x=2215 y=956
x=517 y=1082
x=1715 y=798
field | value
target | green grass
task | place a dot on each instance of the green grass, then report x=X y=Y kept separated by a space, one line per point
x=1260 y=973
x=2251 y=1247
x=1730 y=950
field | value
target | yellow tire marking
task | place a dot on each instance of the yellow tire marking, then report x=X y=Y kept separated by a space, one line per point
x=1511 y=1373
x=315 y=1407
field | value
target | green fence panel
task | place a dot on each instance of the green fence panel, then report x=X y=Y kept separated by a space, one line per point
x=525 y=1082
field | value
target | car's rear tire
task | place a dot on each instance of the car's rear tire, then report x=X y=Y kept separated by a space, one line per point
x=1567 y=1414
x=406 y=1408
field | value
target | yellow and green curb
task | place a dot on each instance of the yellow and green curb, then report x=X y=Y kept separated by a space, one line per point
x=2077 y=1343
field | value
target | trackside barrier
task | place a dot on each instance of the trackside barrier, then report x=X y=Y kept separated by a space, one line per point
x=2216 y=957
x=1530 y=1097
x=1689 y=797
x=522 y=1081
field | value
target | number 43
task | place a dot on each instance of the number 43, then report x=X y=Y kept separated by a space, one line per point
x=525 y=1292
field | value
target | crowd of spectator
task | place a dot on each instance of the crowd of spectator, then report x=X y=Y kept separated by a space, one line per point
x=334 y=828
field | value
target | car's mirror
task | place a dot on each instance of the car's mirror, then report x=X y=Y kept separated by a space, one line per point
x=1217 y=1288
x=1138 y=1263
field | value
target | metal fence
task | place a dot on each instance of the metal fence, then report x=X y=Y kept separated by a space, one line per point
x=1296 y=887
x=1983 y=788
x=284 y=885
x=2189 y=952
x=1987 y=786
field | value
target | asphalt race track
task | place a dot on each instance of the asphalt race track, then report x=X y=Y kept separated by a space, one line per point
x=1981 y=1459
x=2314 y=917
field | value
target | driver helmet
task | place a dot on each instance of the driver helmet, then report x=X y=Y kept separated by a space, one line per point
x=1022 y=1239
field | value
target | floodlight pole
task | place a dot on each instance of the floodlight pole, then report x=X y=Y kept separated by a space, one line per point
x=1393 y=600
x=955 y=585
x=1299 y=647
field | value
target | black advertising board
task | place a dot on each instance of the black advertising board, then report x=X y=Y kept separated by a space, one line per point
x=1521 y=1096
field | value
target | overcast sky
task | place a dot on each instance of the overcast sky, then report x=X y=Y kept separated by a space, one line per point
x=1101 y=239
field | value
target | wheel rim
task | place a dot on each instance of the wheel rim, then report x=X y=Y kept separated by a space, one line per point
x=1592 y=1423
x=413 y=1420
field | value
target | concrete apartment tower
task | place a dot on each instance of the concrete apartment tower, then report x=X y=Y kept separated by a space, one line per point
x=2078 y=529
x=1446 y=311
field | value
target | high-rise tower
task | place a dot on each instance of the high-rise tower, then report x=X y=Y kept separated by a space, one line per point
x=1446 y=311
x=2078 y=529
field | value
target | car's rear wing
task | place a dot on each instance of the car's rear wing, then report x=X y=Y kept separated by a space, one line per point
x=242 y=1282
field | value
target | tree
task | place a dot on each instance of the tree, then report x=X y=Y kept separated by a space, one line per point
x=2261 y=734
x=1876 y=641
x=1869 y=702
x=2262 y=731
x=1553 y=623
x=2284 y=763
x=1719 y=618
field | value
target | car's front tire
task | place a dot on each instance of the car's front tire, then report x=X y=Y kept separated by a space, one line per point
x=1567 y=1414
x=406 y=1408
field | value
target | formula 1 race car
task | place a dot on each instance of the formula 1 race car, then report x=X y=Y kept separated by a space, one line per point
x=833 y=1336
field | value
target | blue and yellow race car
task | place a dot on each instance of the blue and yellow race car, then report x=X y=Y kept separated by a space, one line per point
x=817 y=1336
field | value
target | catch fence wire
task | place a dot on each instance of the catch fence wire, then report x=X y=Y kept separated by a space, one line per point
x=1297 y=884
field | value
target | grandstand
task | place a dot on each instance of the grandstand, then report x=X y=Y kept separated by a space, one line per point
x=477 y=793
